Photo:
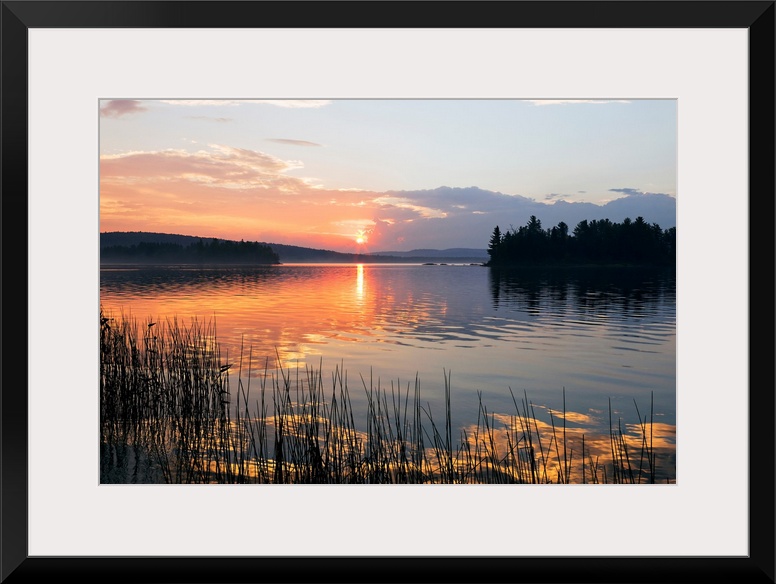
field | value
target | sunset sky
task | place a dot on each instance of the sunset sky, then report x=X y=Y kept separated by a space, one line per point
x=377 y=175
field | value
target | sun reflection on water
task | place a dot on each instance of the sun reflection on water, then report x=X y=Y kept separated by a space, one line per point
x=360 y=282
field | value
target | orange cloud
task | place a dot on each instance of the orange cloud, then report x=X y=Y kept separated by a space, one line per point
x=226 y=192
x=236 y=193
x=224 y=166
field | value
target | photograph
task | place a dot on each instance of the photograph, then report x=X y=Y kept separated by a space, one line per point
x=388 y=291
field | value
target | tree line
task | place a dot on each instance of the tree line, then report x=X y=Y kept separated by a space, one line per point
x=212 y=251
x=591 y=242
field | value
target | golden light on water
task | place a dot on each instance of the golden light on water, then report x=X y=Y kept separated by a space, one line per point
x=360 y=281
x=403 y=323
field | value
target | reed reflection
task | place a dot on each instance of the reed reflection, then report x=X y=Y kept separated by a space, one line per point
x=550 y=446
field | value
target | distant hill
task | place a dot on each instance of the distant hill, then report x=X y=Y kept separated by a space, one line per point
x=189 y=251
x=128 y=238
x=453 y=253
x=293 y=253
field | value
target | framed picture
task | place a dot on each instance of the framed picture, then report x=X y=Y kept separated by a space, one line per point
x=65 y=64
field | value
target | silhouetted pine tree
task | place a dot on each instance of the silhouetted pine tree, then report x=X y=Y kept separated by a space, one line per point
x=598 y=241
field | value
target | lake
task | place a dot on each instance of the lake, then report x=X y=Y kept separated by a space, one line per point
x=597 y=343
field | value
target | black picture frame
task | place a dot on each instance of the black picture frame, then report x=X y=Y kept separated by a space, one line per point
x=19 y=16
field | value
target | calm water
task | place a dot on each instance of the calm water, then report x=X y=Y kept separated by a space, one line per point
x=599 y=334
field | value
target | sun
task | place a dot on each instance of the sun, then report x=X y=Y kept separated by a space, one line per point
x=361 y=238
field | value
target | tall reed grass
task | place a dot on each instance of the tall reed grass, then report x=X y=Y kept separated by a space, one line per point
x=169 y=415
